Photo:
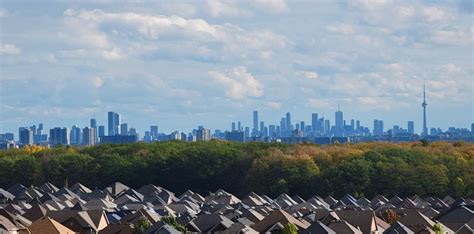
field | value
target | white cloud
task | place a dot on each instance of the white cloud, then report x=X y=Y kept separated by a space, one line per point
x=277 y=6
x=9 y=49
x=4 y=13
x=218 y=8
x=341 y=28
x=370 y=5
x=435 y=13
x=318 y=103
x=274 y=105
x=310 y=75
x=238 y=83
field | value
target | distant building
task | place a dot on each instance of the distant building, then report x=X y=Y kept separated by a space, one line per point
x=314 y=122
x=113 y=123
x=25 y=136
x=378 y=128
x=203 y=134
x=59 y=136
x=154 y=133
x=89 y=137
x=255 y=124
x=118 y=139
x=235 y=136
x=75 y=135
x=124 y=129
x=411 y=127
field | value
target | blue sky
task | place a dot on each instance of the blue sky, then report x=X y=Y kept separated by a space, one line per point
x=180 y=64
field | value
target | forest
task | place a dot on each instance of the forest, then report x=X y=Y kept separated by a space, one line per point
x=363 y=169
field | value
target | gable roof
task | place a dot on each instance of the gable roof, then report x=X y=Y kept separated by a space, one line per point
x=48 y=225
x=279 y=216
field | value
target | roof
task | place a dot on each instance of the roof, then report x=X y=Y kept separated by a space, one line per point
x=398 y=228
x=282 y=217
x=47 y=225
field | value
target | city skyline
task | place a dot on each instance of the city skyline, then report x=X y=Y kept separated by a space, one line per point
x=181 y=64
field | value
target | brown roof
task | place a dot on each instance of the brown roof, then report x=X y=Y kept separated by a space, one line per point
x=364 y=219
x=47 y=225
x=279 y=216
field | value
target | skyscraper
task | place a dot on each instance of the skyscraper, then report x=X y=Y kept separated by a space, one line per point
x=255 y=123
x=411 y=127
x=154 y=132
x=75 y=135
x=314 y=122
x=233 y=126
x=339 y=117
x=94 y=126
x=59 y=136
x=25 y=136
x=89 y=136
x=378 y=127
x=424 y=104
x=113 y=123
x=101 y=131
x=124 y=129
x=289 y=126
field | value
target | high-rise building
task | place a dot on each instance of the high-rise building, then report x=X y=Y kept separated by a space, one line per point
x=239 y=126
x=75 y=135
x=25 y=136
x=378 y=128
x=94 y=126
x=255 y=123
x=472 y=128
x=262 y=126
x=411 y=127
x=59 y=136
x=339 y=119
x=113 y=123
x=282 y=125
x=89 y=137
x=124 y=129
x=132 y=131
x=327 y=125
x=314 y=122
x=233 y=126
x=271 y=130
x=101 y=131
x=302 y=126
x=289 y=126
x=203 y=134
x=154 y=132
x=424 y=104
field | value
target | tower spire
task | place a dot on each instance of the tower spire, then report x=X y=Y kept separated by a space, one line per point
x=424 y=104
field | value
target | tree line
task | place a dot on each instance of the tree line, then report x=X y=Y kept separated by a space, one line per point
x=363 y=169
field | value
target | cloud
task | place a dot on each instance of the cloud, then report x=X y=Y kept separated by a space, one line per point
x=341 y=28
x=238 y=83
x=435 y=13
x=91 y=30
x=310 y=74
x=218 y=8
x=10 y=49
x=4 y=13
x=276 y=6
x=274 y=105
x=318 y=103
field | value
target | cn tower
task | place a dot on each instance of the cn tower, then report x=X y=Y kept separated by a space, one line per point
x=424 y=104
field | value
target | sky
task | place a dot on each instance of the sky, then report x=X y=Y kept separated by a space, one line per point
x=180 y=64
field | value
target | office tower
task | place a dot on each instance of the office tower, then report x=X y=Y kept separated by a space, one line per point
x=8 y=137
x=113 y=123
x=265 y=131
x=327 y=126
x=357 y=125
x=297 y=126
x=339 y=120
x=203 y=134
x=321 y=125
x=89 y=137
x=101 y=131
x=75 y=135
x=93 y=125
x=132 y=132
x=247 y=132
x=255 y=124
x=239 y=126
x=124 y=129
x=352 y=125
x=411 y=127
x=472 y=128
x=154 y=132
x=233 y=127
x=424 y=104
x=25 y=136
x=395 y=129
x=271 y=130
x=59 y=136
x=147 y=137
x=283 y=125
x=314 y=122
x=262 y=126
x=289 y=126
x=237 y=136
x=378 y=127
x=39 y=130
x=277 y=131
x=302 y=126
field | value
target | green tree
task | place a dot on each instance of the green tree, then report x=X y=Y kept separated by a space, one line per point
x=172 y=221
x=142 y=225
x=289 y=228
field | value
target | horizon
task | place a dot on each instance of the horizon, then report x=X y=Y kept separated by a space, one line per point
x=180 y=65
